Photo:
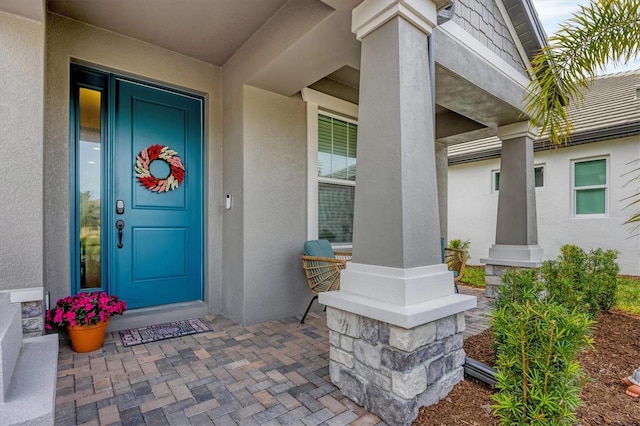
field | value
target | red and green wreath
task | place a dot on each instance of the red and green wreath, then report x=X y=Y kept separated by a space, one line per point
x=152 y=183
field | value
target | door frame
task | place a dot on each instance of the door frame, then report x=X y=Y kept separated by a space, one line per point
x=105 y=81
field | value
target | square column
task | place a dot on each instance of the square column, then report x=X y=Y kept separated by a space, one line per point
x=396 y=218
x=517 y=228
x=397 y=280
x=397 y=274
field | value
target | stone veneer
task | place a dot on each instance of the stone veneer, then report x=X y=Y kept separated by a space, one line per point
x=493 y=277
x=32 y=309
x=32 y=318
x=393 y=371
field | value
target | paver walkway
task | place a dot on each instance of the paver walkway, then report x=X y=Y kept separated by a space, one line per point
x=274 y=373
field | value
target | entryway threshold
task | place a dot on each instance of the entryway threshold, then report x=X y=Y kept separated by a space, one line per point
x=143 y=317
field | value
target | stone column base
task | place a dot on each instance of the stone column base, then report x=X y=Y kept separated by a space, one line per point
x=32 y=309
x=390 y=370
x=503 y=257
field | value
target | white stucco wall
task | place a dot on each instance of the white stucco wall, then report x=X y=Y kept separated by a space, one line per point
x=21 y=136
x=69 y=40
x=473 y=205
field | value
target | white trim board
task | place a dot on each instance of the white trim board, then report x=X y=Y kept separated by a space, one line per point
x=22 y=295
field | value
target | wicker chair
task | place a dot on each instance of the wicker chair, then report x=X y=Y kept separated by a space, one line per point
x=456 y=260
x=323 y=274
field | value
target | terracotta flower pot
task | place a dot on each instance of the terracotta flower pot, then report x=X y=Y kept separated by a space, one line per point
x=87 y=338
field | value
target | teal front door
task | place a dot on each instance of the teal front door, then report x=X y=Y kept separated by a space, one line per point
x=155 y=217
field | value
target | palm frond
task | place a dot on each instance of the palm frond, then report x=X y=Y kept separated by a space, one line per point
x=604 y=31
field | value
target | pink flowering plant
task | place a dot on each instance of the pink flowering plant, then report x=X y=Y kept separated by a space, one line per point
x=86 y=308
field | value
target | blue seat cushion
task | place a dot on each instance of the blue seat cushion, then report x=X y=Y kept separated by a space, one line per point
x=318 y=248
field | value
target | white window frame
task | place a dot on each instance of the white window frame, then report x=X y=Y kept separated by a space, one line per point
x=537 y=166
x=575 y=189
x=321 y=103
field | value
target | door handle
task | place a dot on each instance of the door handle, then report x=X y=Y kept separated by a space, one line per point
x=120 y=227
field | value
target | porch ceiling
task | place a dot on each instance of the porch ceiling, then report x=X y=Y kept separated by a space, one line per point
x=202 y=29
x=469 y=106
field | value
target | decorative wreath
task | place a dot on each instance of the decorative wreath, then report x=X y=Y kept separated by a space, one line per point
x=152 y=183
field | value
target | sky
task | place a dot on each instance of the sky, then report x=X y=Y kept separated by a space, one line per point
x=554 y=12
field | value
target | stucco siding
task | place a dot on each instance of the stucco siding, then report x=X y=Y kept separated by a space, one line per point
x=483 y=20
x=257 y=54
x=21 y=136
x=69 y=40
x=275 y=172
x=472 y=207
x=472 y=211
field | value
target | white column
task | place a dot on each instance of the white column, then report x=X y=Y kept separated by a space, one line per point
x=396 y=275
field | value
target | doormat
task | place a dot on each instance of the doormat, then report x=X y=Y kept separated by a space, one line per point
x=138 y=336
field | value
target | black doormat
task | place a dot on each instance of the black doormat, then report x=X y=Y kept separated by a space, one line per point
x=138 y=336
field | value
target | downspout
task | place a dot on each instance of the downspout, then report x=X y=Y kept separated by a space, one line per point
x=443 y=15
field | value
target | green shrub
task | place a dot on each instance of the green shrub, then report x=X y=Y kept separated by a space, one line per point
x=459 y=244
x=518 y=286
x=539 y=379
x=584 y=281
x=536 y=341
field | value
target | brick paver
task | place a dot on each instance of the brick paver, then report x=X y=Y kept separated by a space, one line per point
x=275 y=373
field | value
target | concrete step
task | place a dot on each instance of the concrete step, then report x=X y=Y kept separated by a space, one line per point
x=31 y=397
x=10 y=341
x=28 y=371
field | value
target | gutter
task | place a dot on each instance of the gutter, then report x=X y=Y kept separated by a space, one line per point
x=585 y=137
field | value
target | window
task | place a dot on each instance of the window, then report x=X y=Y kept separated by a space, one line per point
x=336 y=178
x=590 y=187
x=88 y=100
x=332 y=134
x=538 y=173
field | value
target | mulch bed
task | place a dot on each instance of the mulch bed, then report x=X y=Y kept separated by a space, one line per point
x=616 y=353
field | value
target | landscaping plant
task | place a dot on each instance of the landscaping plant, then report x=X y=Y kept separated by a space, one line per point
x=537 y=340
x=584 y=281
x=460 y=245
x=85 y=308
